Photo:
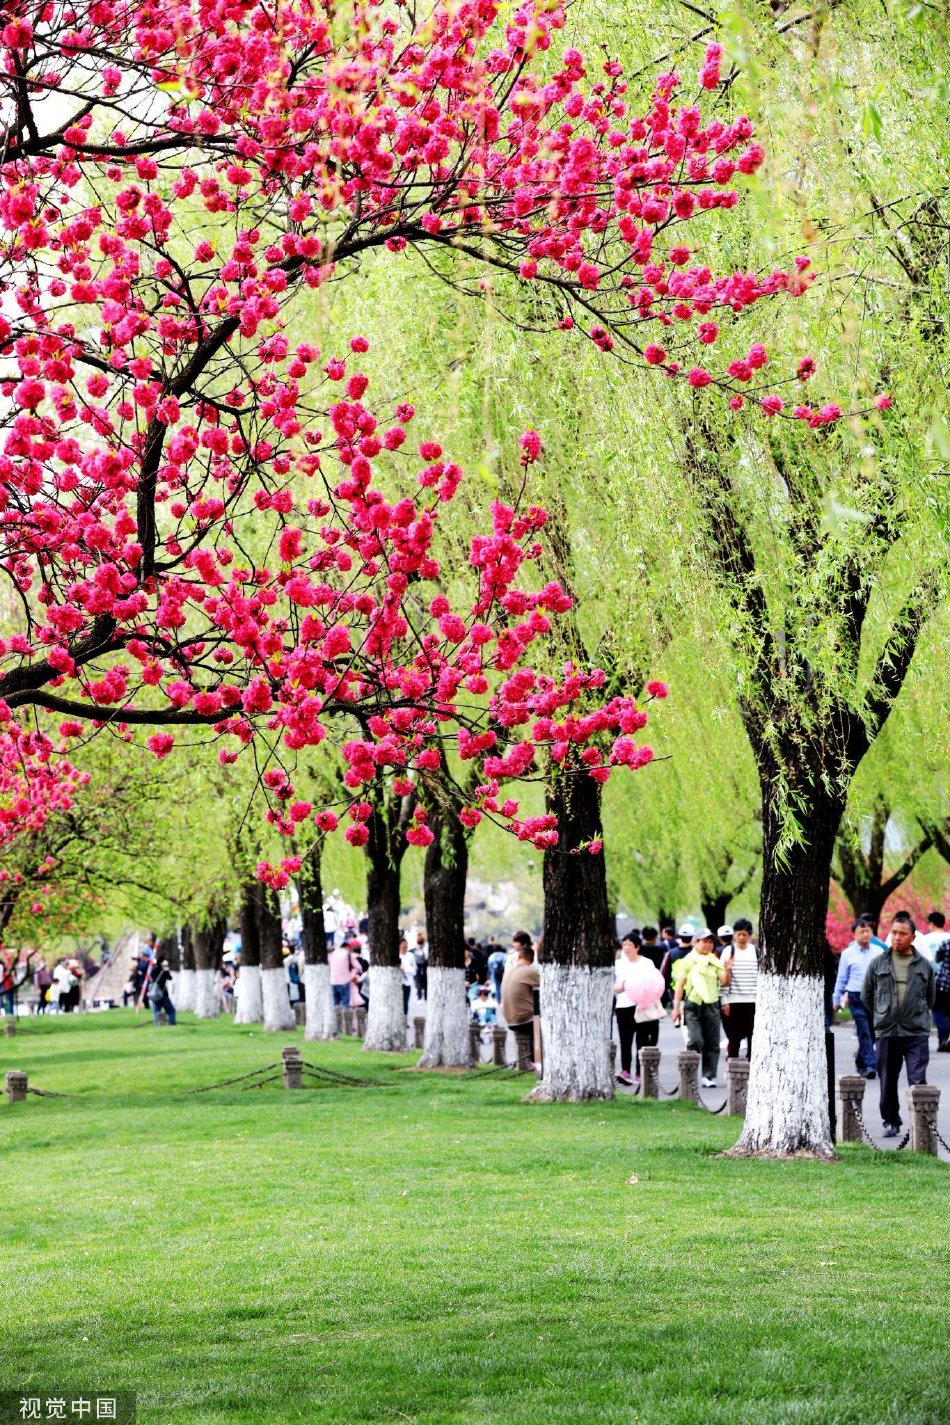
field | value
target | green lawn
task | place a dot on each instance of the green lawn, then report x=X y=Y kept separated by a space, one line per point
x=439 y=1251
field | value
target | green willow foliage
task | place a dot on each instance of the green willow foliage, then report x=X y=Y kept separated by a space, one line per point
x=850 y=101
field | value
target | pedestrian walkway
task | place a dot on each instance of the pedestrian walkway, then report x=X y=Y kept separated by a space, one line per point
x=671 y=1041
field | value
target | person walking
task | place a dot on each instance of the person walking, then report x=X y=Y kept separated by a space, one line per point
x=421 y=954
x=852 y=968
x=42 y=983
x=343 y=968
x=898 y=993
x=496 y=969
x=738 y=1000
x=159 y=996
x=517 y=1001
x=639 y=989
x=407 y=962
x=673 y=956
x=699 y=976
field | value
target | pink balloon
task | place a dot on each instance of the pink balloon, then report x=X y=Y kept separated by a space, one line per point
x=648 y=990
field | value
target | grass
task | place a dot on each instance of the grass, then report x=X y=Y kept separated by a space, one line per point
x=438 y=1251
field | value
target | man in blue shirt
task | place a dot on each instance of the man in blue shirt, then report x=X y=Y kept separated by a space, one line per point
x=852 y=967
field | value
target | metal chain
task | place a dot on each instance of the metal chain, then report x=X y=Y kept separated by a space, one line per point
x=856 y=1107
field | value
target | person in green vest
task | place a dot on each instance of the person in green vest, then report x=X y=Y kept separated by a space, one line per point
x=699 y=977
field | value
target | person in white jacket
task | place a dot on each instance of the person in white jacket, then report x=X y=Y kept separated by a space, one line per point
x=639 y=989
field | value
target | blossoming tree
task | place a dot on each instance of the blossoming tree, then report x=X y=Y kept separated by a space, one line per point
x=172 y=177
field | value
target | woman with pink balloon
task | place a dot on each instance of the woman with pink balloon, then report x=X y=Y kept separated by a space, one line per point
x=639 y=990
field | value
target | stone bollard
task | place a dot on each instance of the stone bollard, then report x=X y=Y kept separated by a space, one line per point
x=418 y=1031
x=475 y=1042
x=687 y=1067
x=923 y=1101
x=9 y=1028
x=349 y=1023
x=162 y=1016
x=359 y=1017
x=851 y=1090
x=524 y=1047
x=293 y=1067
x=499 y=1037
x=649 y=1072
x=300 y=1013
x=737 y=1086
x=340 y=1027
x=16 y=1085
x=612 y=1052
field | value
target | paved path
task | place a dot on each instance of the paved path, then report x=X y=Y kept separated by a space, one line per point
x=671 y=1041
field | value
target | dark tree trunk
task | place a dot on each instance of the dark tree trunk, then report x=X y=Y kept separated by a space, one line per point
x=714 y=909
x=269 y=932
x=187 y=948
x=578 y=948
x=250 y=934
x=313 y=930
x=168 y=950
x=444 y=881
x=445 y=877
x=577 y=926
x=383 y=887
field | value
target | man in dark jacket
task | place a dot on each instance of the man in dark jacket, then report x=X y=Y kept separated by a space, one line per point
x=898 y=994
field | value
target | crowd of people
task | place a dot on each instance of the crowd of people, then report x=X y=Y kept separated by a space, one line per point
x=705 y=981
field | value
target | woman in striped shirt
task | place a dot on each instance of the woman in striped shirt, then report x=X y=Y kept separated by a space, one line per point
x=738 y=1001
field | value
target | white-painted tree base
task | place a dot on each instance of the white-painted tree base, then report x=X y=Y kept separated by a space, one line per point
x=250 y=997
x=187 y=991
x=446 y=1041
x=278 y=1011
x=207 y=995
x=385 y=1020
x=787 y=1106
x=575 y=1033
x=318 y=998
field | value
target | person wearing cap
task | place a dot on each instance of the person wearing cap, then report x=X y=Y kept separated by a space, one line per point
x=484 y=1007
x=723 y=939
x=738 y=1000
x=699 y=976
x=682 y=948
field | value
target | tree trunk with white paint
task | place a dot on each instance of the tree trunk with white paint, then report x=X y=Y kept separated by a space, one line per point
x=275 y=990
x=318 y=999
x=320 y=1016
x=385 y=1019
x=278 y=1011
x=577 y=951
x=207 y=994
x=576 y=1005
x=250 y=997
x=208 y=943
x=187 y=988
x=446 y=1042
x=250 y=1002
x=787 y=1107
x=186 y=996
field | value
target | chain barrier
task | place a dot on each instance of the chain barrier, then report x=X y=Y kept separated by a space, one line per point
x=260 y=1083
x=205 y=1088
x=47 y=1093
x=855 y=1106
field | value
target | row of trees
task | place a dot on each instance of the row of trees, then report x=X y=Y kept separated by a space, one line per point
x=202 y=534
